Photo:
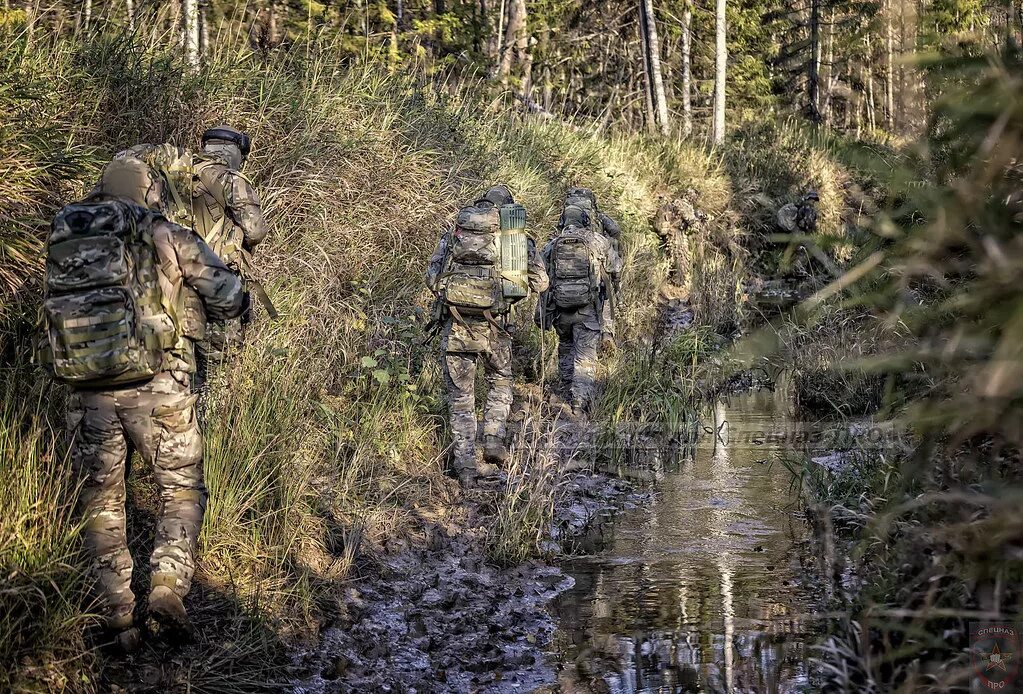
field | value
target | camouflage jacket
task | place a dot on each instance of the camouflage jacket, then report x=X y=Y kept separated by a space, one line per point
x=224 y=191
x=189 y=269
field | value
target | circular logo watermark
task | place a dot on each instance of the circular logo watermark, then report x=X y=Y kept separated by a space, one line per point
x=995 y=648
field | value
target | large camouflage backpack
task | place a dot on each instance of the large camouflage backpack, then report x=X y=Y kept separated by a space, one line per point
x=576 y=274
x=105 y=316
x=195 y=186
x=485 y=269
x=582 y=199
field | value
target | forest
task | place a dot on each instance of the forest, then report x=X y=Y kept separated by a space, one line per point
x=800 y=470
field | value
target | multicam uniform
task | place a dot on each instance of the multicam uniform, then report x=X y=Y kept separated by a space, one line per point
x=463 y=342
x=158 y=418
x=226 y=200
x=579 y=330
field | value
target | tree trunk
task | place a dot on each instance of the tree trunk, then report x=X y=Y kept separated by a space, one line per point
x=204 y=27
x=829 y=83
x=129 y=10
x=889 y=97
x=86 y=14
x=190 y=23
x=720 y=72
x=871 y=118
x=653 y=47
x=274 y=35
x=814 y=68
x=648 y=84
x=399 y=12
x=438 y=7
x=687 y=100
x=514 y=38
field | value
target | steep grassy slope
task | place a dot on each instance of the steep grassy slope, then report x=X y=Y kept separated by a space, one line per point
x=326 y=438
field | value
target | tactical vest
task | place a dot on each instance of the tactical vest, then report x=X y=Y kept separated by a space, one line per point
x=105 y=316
x=486 y=266
x=575 y=269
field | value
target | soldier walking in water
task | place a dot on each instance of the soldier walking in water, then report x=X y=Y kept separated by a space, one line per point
x=582 y=265
x=481 y=268
x=125 y=293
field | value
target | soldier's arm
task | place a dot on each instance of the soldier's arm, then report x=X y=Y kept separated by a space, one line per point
x=217 y=285
x=610 y=226
x=538 y=278
x=247 y=212
x=613 y=262
x=436 y=263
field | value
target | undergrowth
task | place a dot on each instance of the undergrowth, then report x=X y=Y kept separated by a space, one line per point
x=327 y=432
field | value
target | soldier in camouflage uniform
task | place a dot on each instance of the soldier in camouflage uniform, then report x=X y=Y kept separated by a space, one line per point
x=226 y=199
x=613 y=233
x=158 y=418
x=579 y=330
x=221 y=205
x=465 y=341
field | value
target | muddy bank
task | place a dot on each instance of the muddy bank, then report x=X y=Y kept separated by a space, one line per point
x=440 y=618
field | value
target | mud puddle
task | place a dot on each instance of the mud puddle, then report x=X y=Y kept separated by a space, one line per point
x=708 y=586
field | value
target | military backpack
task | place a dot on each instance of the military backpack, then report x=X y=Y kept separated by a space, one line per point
x=581 y=199
x=486 y=267
x=105 y=317
x=197 y=198
x=576 y=275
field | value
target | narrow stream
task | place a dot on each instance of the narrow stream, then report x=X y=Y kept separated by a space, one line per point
x=710 y=586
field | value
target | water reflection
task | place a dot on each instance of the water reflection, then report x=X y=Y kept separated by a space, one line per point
x=705 y=588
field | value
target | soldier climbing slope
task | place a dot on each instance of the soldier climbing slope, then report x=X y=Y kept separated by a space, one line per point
x=482 y=267
x=577 y=202
x=582 y=265
x=208 y=193
x=125 y=293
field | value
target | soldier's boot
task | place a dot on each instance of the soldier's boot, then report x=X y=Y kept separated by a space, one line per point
x=495 y=452
x=167 y=614
x=127 y=638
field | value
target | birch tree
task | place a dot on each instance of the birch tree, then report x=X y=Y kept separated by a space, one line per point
x=687 y=67
x=655 y=75
x=190 y=20
x=720 y=72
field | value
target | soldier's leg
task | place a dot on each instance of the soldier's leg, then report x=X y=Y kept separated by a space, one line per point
x=460 y=381
x=607 y=322
x=498 y=368
x=566 y=360
x=162 y=422
x=585 y=365
x=98 y=453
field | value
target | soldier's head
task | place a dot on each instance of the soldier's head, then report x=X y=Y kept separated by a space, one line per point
x=131 y=179
x=811 y=196
x=499 y=195
x=226 y=143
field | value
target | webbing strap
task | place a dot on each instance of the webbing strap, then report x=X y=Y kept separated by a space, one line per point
x=88 y=321
x=96 y=333
x=80 y=352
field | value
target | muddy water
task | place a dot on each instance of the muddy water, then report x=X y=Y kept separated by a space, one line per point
x=710 y=585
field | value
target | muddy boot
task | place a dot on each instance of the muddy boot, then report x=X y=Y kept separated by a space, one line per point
x=494 y=451
x=126 y=638
x=167 y=615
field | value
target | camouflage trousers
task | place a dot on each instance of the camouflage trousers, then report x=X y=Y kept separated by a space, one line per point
x=578 y=340
x=222 y=340
x=493 y=348
x=158 y=419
